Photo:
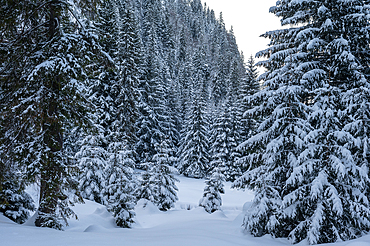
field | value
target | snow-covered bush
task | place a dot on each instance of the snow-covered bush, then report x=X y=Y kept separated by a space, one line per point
x=211 y=200
x=15 y=203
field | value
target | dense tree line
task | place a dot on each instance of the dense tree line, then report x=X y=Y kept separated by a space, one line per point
x=92 y=90
x=96 y=93
x=308 y=160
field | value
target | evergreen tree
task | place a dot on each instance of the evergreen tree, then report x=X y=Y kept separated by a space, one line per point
x=194 y=155
x=151 y=102
x=248 y=86
x=129 y=61
x=224 y=142
x=47 y=57
x=15 y=203
x=157 y=184
x=92 y=161
x=119 y=185
x=304 y=107
x=163 y=174
x=116 y=93
x=211 y=200
x=221 y=66
x=92 y=156
x=146 y=186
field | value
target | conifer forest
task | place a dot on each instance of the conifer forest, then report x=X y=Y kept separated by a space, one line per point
x=112 y=100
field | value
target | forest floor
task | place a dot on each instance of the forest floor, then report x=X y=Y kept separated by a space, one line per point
x=185 y=225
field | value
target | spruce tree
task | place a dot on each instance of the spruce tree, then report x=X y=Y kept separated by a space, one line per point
x=120 y=186
x=151 y=102
x=211 y=200
x=306 y=131
x=92 y=162
x=119 y=172
x=221 y=67
x=164 y=175
x=15 y=203
x=224 y=142
x=129 y=62
x=194 y=151
x=48 y=58
x=146 y=186
x=247 y=87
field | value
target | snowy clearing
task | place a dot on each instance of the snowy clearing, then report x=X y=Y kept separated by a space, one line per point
x=186 y=224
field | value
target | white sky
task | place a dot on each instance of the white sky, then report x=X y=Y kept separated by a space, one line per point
x=249 y=19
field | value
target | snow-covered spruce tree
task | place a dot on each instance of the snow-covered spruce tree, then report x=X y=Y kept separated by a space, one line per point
x=224 y=142
x=146 y=185
x=151 y=102
x=357 y=98
x=194 y=150
x=164 y=175
x=211 y=200
x=129 y=62
x=221 y=67
x=116 y=92
x=15 y=203
x=271 y=154
x=93 y=156
x=247 y=87
x=119 y=185
x=103 y=91
x=92 y=161
x=322 y=195
x=157 y=184
x=118 y=174
x=46 y=66
x=172 y=121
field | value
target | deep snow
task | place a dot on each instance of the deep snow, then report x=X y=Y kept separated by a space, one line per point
x=186 y=224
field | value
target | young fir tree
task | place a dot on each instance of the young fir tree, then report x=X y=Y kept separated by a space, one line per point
x=248 y=86
x=92 y=161
x=48 y=55
x=118 y=174
x=119 y=186
x=151 y=102
x=211 y=200
x=322 y=195
x=93 y=155
x=164 y=175
x=224 y=142
x=15 y=203
x=194 y=150
x=146 y=186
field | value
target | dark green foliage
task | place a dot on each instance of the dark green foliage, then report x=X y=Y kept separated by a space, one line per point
x=211 y=200
x=15 y=203
x=194 y=155
x=120 y=71
x=303 y=161
x=43 y=74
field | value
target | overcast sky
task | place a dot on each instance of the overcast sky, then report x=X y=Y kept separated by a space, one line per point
x=249 y=19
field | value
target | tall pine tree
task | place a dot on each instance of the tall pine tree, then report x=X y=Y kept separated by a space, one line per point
x=48 y=55
x=309 y=129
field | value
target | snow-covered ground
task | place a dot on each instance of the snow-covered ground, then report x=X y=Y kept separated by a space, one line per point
x=185 y=225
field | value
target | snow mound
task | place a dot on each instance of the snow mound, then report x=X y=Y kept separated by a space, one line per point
x=146 y=207
x=178 y=226
x=92 y=217
x=96 y=228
